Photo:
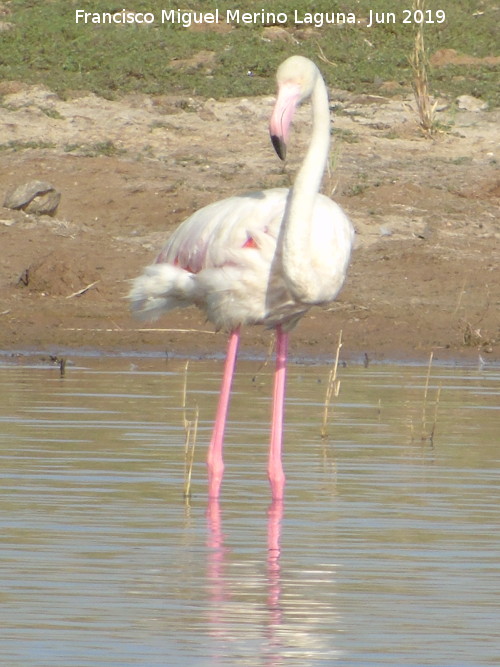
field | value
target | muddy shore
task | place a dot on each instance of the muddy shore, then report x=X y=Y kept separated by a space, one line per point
x=424 y=275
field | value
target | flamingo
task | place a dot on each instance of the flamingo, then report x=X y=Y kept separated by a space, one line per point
x=263 y=257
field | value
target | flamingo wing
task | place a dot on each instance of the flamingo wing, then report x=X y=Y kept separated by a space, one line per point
x=218 y=259
x=210 y=237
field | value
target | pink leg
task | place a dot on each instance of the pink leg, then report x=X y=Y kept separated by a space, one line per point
x=275 y=467
x=215 y=462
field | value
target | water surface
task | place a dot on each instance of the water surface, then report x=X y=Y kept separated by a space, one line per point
x=384 y=552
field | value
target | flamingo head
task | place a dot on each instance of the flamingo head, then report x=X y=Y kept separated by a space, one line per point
x=296 y=77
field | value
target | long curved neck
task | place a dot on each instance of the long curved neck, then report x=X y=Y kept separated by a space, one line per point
x=296 y=249
x=310 y=174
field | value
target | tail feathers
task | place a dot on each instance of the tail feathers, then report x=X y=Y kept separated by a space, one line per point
x=161 y=287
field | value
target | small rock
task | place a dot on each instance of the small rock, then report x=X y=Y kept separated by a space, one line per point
x=275 y=33
x=469 y=103
x=36 y=197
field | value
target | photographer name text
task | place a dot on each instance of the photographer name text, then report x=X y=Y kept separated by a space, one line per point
x=186 y=19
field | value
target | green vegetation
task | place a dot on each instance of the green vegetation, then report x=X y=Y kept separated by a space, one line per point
x=47 y=46
x=16 y=146
x=107 y=148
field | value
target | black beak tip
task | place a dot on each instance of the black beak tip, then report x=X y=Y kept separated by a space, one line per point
x=279 y=146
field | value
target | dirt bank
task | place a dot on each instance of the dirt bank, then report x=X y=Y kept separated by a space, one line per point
x=424 y=275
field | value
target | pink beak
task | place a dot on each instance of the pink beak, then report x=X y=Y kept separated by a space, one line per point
x=281 y=118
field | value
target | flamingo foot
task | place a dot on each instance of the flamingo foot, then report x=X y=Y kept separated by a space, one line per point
x=277 y=481
x=215 y=475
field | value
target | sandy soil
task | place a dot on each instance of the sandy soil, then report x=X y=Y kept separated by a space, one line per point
x=424 y=275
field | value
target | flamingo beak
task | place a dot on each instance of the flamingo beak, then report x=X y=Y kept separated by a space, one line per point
x=281 y=118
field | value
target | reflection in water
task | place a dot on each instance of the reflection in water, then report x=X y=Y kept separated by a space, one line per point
x=218 y=588
x=385 y=552
x=275 y=518
x=220 y=618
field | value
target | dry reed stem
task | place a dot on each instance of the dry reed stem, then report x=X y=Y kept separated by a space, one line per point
x=461 y=295
x=430 y=435
x=184 y=395
x=426 y=390
x=191 y=432
x=332 y=178
x=321 y=56
x=436 y=405
x=263 y=364
x=83 y=290
x=418 y=61
x=189 y=447
x=333 y=387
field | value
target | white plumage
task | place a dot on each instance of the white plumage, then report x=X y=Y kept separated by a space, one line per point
x=224 y=260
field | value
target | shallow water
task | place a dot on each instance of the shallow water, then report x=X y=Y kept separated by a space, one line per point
x=385 y=551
